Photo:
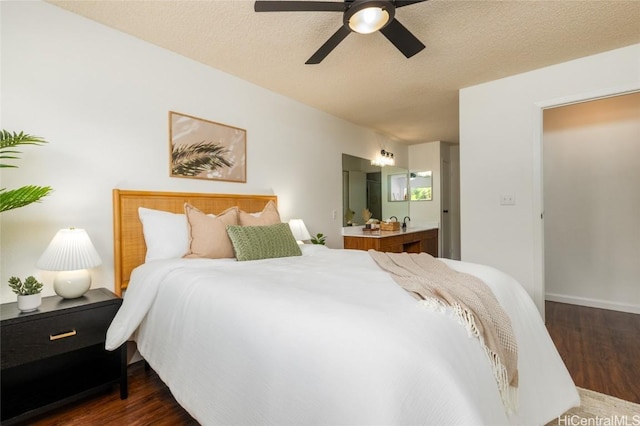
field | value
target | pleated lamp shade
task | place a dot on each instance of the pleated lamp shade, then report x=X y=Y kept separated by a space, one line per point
x=72 y=253
x=299 y=230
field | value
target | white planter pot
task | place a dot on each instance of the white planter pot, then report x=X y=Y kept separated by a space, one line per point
x=29 y=302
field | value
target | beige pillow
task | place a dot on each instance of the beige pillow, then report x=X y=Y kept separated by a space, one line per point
x=268 y=216
x=208 y=234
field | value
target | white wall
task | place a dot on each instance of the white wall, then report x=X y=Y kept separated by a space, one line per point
x=592 y=203
x=500 y=127
x=101 y=98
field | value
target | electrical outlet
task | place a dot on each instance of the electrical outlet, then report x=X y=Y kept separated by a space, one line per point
x=334 y=214
x=507 y=199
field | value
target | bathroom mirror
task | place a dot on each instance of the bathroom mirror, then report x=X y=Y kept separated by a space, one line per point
x=420 y=186
x=397 y=188
x=366 y=186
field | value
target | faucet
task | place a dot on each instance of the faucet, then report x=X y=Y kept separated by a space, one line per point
x=404 y=222
x=392 y=217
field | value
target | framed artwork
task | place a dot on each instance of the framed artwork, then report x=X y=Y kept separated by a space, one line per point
x=203 y=149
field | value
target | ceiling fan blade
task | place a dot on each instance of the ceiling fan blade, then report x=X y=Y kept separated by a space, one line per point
x=299 y=6
x=402 y=38
x=402 y=3
x=329 y=45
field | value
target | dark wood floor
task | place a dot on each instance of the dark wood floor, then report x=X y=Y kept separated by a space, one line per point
x=601 y=349
x=149 y=403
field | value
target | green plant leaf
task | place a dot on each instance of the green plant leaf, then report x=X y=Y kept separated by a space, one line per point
x=9 y=140
x=318 y=239
x=12 y=199
x=32 y=286
x=15 y=284
x=29 y=286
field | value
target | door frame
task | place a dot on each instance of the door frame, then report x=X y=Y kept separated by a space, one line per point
x=538 y=184
x=445 y=204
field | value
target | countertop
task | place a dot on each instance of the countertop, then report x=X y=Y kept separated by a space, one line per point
x=357 y=231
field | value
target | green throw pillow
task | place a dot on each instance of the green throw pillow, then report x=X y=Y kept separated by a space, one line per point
x=263 y=242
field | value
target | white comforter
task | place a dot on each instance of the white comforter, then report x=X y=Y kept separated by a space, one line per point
x=328 y=339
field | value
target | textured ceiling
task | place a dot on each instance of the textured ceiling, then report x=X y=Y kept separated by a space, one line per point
x=366 y=80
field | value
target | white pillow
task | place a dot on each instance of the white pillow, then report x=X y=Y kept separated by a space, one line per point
x=165 y=234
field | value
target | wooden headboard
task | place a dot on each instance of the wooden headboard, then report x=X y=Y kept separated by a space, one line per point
x=129 y=248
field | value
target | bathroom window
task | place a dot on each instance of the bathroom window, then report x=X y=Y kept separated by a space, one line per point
x=420 y=184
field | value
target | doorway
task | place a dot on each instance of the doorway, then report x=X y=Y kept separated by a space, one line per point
x=538 y=200
x=374 y=194
x=591 y=175
x=450 y=202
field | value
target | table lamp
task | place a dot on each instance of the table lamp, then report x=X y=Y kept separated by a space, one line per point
x=299 y=230
x=71 y=253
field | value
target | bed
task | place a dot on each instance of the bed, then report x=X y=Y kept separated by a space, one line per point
x=325 y=337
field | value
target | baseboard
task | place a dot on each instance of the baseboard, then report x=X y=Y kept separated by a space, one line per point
x=593 y=303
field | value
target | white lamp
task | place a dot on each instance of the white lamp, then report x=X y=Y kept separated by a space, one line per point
x=299 y=230
x=72 y=253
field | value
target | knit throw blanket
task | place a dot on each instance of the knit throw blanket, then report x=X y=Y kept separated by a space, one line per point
x=438 y=286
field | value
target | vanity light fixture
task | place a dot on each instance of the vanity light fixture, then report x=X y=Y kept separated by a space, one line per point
x=384 y=159
x=71 y=253
x=369 y=16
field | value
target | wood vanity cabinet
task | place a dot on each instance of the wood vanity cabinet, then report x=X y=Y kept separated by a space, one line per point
x=396 y=242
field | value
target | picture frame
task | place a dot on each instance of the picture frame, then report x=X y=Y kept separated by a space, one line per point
x=204 y=149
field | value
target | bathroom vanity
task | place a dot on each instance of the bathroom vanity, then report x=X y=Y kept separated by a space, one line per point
x=411 y=240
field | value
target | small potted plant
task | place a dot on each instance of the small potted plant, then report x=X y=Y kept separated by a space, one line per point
x=349 y=216
x=29 y=297
x=318 y=239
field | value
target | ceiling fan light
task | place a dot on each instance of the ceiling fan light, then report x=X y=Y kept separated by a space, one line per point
x=369 y=20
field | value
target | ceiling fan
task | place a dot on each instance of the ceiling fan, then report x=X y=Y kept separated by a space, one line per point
x=361 y=16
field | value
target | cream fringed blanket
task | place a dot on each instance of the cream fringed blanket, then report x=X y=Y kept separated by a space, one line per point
x=473 y=301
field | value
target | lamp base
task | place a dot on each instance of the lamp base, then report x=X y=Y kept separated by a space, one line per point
x=72 y=284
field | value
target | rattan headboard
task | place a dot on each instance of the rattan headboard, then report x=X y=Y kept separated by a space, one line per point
x=129 y=248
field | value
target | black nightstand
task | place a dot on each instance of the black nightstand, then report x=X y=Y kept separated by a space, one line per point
x=56 y=354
